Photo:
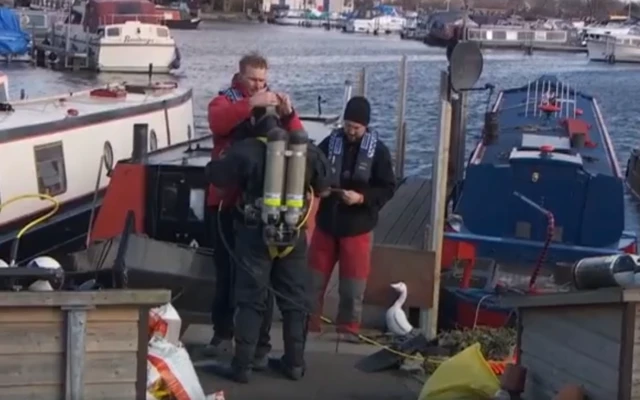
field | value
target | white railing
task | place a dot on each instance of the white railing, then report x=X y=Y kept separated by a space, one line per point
x=507 y=35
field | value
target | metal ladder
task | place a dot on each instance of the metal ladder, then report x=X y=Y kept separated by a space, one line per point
x=541 y=91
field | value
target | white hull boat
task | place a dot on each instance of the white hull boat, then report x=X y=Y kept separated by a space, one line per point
x=612 y=49
x=112 y=42
x=63 y=146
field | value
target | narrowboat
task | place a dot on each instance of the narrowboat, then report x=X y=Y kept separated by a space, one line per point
x=542 y=189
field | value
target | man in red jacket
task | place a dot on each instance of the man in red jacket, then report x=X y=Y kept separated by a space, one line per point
x=229 y=120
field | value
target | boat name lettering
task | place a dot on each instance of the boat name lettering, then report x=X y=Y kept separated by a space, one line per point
x=129 y=39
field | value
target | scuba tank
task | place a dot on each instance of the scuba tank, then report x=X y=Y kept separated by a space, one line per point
x=274 y=175
x=296 y=174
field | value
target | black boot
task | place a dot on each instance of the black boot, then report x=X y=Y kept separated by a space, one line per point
x=279 y=365
x=229 y=371
x=260 y=362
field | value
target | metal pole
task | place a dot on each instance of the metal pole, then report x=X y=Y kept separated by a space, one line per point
x=361 y=89
x=429 y=318
x=401 y=138
x=76 y=334
x=458 y=137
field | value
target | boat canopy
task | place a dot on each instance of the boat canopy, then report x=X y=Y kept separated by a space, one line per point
x=13 y=40
x=107 y=12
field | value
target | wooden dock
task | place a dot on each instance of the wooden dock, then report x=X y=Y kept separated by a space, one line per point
x=400 y=247
x=403 y=221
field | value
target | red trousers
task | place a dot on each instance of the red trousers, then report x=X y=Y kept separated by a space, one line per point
x=354 y=255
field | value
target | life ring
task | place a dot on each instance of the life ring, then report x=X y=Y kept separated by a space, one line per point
x=24 y=20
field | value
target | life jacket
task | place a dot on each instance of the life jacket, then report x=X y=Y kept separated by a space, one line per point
x=364 y=159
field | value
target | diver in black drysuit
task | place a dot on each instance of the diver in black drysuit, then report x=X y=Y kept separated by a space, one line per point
x=243 y=166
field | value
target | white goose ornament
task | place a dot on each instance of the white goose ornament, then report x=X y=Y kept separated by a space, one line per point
x=397 y=321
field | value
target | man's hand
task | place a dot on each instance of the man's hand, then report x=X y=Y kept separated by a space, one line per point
x=284 y=107
x=264 y=99
x=351 y=197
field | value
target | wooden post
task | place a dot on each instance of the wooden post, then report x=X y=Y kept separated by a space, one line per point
x=429 y=318
x=401 y=139
x=361 y=88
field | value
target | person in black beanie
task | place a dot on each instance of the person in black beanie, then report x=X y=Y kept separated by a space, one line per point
x=363 y=182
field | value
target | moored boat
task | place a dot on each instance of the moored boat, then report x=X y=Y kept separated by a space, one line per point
x=178 y=17
x=54 y=146
x=15 y=43
x=118 y=36
x=621 y=47
x=544 y=181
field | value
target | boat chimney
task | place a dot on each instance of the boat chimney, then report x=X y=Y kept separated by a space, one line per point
x=546 y=150
x=140 y=143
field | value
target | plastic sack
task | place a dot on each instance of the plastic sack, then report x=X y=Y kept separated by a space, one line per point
x=175 y=370
x=466 y=375
x=164 y=321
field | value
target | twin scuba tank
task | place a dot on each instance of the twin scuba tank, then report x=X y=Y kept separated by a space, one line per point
x=283 y=197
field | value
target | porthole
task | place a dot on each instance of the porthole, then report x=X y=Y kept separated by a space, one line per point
x=189 y=133
x=107 y=156
x=153 y=141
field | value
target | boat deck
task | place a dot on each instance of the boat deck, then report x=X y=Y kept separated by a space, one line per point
x=38 y=113
x=330 y=374
x=523 y=125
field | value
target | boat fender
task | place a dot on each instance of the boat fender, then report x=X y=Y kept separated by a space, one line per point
x=43 y=262
x=72 y=112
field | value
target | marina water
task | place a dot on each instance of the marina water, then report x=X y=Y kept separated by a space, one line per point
x=307 y=63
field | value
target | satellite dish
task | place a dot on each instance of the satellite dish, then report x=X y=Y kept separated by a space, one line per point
x=465 y=65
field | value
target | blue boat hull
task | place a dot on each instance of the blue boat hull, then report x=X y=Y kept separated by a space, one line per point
x=545 y=177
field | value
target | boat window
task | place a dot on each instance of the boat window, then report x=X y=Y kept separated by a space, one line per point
x=113 y=32
x=527 y=35
x=169 y=209
x=499 y=35
x=196 y=205
x=163 y=32
x=107 y=154
x=556 y=36
x=153 y=141
x=635 y=42
x=50 y=169
x=127 y=7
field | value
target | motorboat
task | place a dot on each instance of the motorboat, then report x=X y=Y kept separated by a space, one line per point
x=64 y=147
x=118 y=36
x=178 y=17
x=380 y=19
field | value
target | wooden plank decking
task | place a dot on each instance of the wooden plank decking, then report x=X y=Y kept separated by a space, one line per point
x=400 y=249
x=403 y=221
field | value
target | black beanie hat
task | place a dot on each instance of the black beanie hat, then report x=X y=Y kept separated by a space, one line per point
x=358 y=110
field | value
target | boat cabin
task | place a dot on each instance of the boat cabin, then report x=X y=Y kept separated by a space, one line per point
x=95 y=14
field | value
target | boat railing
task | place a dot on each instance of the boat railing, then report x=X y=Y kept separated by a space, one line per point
x=612 y=40
x=517 y=35
x=560 y=96
x=111 y=19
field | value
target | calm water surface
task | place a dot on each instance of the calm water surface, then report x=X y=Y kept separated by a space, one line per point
x=310 y=62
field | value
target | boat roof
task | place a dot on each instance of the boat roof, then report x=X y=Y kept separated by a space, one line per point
x=197 y=153
x=524 y=128
x=34 y=117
